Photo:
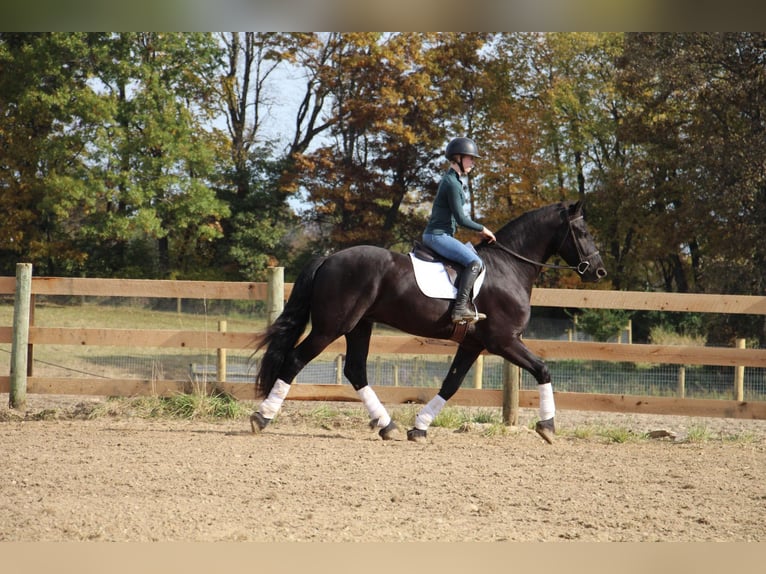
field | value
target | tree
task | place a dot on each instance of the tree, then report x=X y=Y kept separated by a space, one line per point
x=158 y=212
x=551 y=122
x=386 y=129
x=512 y=168
x=603 y=324
x=699 y=118
x=698 y=114
x=49 y=118
x=259 y=215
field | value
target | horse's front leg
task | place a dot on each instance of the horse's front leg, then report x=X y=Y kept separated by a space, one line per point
x=462 y=362
x=515 y=351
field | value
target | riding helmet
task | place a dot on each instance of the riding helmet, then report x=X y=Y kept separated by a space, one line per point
x=461 y=146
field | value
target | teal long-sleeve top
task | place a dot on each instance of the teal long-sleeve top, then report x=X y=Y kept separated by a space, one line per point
x=447 y=212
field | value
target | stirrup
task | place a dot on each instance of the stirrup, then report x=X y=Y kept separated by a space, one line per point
x=468 y=317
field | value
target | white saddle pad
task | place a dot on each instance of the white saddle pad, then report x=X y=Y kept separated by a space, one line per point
x=433 y=281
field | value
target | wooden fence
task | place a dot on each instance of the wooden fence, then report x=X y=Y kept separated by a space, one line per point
x=24 y=335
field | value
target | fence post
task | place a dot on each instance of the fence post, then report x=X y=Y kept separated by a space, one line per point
x=221 y=355
x=511 y=383
x=739 y=376
x=19 y=356
x=478 y=373
x=339 y=369
x=275 y=294
x=31 y=348
x=681 y=382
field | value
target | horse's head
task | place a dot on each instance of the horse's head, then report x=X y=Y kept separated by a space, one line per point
x=578 y=247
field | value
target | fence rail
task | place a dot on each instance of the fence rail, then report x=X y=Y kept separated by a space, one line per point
x=32 y=335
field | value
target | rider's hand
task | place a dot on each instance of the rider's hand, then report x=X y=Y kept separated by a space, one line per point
x=488 y=235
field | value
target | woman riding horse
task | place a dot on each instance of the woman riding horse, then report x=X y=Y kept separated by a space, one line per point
x=345 y=293
x=447 y=213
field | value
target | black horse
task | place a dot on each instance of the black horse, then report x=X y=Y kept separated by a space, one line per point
x=345 y=293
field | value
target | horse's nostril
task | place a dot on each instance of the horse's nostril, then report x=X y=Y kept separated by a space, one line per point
x=601 y=272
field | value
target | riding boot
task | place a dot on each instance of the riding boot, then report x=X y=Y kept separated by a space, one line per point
x=461 y=312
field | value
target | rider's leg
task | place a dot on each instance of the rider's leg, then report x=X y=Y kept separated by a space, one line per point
x=461 y=312
x=451 y=248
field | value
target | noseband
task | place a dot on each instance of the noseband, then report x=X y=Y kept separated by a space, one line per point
x=581 y=267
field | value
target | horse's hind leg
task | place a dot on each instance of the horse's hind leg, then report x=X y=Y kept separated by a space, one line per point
x=294 y=362
x=357 y=348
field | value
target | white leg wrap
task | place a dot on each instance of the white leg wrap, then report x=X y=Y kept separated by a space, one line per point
x=270 y=407
x=374 y=406
x=547 y=405
x=429 y=412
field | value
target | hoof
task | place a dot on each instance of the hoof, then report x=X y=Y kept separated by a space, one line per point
x=546 y=429
x=258 y=422
x=416 y=435
x=389 y=432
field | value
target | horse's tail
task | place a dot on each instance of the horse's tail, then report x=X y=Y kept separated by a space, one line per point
x=283 y=334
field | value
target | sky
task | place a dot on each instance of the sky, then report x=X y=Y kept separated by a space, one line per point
x=286 y=88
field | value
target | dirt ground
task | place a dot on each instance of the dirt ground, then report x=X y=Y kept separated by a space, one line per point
x=314 y=477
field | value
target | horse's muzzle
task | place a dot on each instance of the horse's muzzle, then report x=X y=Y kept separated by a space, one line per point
x=585 y=266
x=590 y=273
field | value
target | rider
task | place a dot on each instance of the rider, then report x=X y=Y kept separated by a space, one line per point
x=447 y=214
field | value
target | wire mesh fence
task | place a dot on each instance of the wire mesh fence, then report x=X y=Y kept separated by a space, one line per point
x=383 y=370
x=569 y=376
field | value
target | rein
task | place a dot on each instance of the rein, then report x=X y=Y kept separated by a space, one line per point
x=581 y=267
x=548 y=265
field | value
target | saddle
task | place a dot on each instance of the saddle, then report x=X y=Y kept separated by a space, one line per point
x=427 y=284
x=425 y=253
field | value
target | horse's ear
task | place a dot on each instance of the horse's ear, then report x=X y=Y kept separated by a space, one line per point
x=576 y=208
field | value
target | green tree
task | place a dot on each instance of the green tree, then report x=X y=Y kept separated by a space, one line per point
x=159 y=214
x=259 y=214
x=603 y=324
x=50 y=117
x=697 y=114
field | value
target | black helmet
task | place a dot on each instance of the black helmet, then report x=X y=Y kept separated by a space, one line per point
x=461 y=146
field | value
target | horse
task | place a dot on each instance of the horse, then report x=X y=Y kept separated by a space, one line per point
x=345 y=293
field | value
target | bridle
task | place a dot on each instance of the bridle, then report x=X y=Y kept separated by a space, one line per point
x=581 y=267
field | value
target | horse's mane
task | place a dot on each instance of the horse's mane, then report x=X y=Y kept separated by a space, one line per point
x=513 y=232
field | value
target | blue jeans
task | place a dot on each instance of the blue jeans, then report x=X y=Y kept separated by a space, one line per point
x=449 y=247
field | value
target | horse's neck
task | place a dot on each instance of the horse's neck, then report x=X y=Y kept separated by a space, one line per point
x=534 y=240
